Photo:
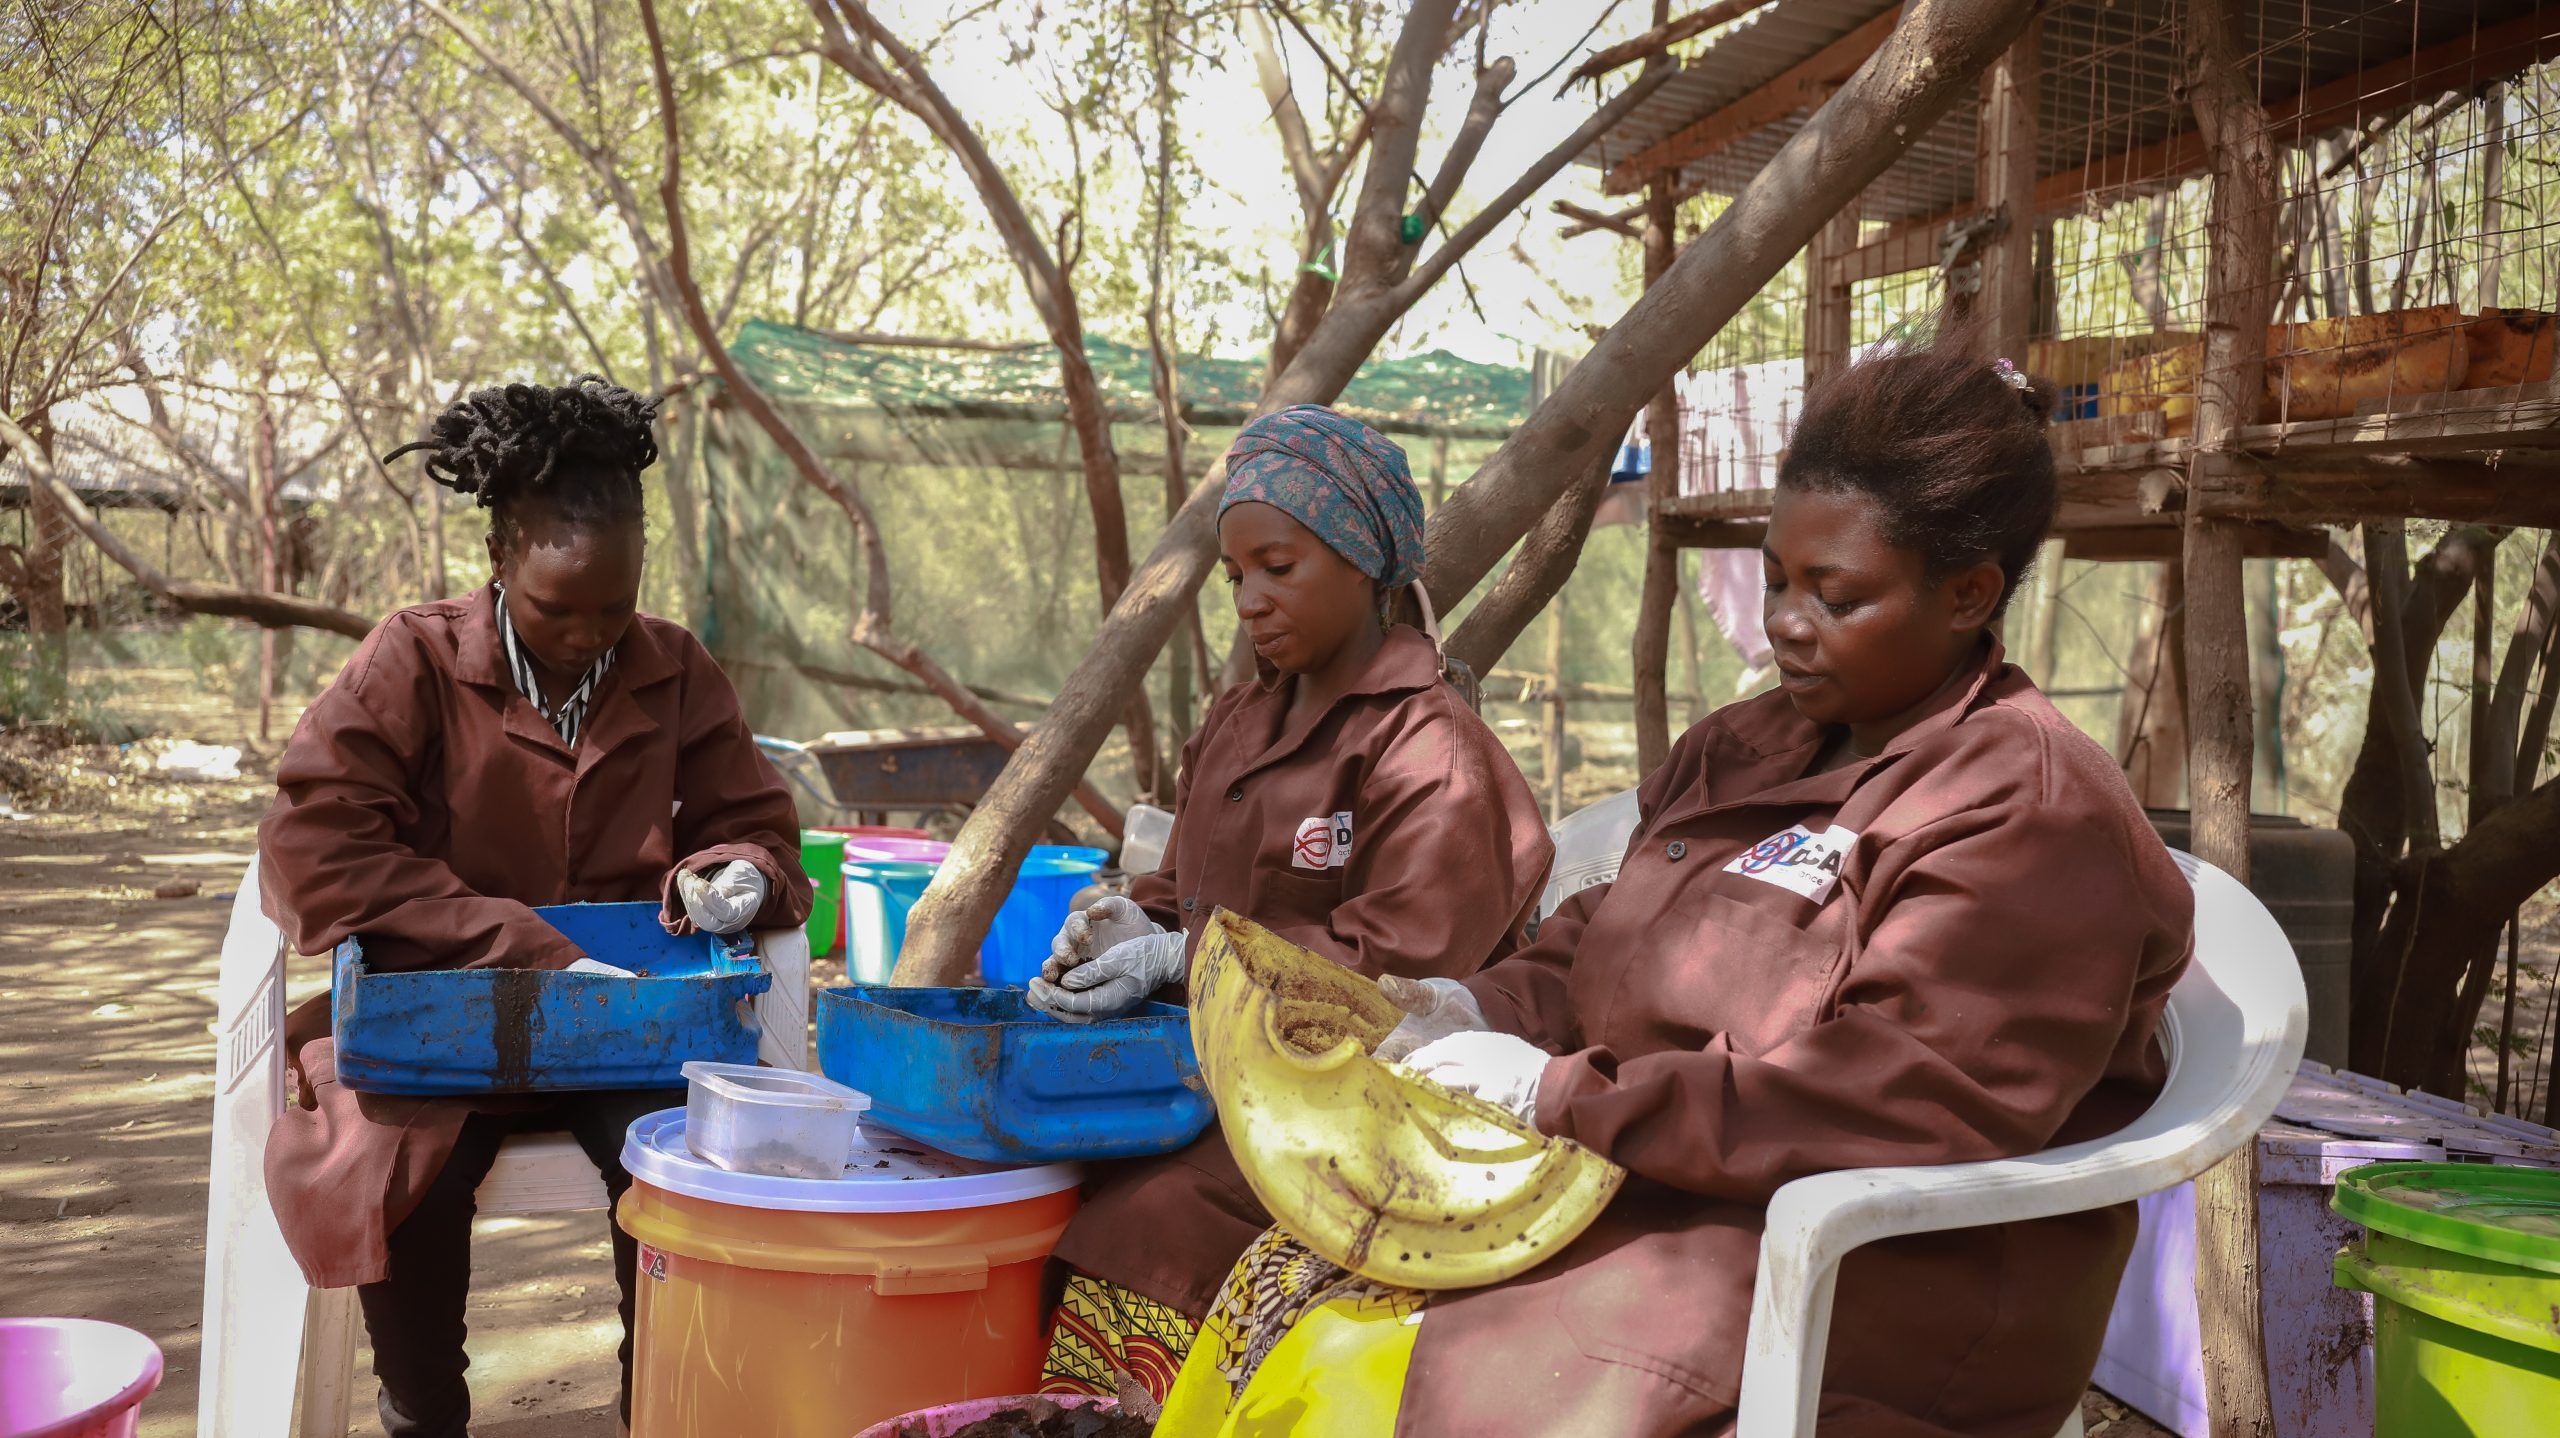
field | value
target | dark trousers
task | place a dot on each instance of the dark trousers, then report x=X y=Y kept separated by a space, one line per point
x=415 y=1317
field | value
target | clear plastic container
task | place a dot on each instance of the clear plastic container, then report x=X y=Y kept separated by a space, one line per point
x=775 y=1122
x=1144 y=837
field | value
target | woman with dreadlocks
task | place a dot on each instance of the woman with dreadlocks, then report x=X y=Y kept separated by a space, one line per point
x=538 y=741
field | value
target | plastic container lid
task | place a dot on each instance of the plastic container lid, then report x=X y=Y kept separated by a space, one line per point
x=2492 y=1211
x=887 y=1173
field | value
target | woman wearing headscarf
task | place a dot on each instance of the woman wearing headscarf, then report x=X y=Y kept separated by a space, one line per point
x=1349 y=800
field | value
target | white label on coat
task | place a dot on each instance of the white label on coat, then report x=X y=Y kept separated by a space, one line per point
x=1322 y=843
x=1799 y=860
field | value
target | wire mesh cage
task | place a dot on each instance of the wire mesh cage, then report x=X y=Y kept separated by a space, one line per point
x=2412 y=295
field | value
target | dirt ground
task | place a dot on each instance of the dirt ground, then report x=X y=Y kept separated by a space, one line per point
x=106 y=1056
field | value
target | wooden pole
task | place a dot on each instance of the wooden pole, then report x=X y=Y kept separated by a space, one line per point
x=2238 y=301
x=1552 y=751
x=1827 y=310
x=2006 y=181
x=1661 y=557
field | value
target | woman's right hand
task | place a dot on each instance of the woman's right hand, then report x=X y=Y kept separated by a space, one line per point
x=1433 y=1010
x=1095 y=930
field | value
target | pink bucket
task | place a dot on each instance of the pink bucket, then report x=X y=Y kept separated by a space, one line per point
x=950 y=1418
x=73 y=1378
x=893 y=849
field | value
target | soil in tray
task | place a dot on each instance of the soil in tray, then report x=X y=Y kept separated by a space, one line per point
x=1048 y=1420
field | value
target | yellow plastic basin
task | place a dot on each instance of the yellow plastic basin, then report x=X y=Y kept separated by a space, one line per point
x=1389 y=1175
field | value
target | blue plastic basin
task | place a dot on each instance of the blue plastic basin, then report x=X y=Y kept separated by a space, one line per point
x=478 y=1031
x=980 y=1073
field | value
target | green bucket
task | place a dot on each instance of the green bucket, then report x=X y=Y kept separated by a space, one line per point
x=822 y=859
x=2463 y=1262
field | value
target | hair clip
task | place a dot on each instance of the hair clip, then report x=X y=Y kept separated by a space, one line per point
x=2009 y=374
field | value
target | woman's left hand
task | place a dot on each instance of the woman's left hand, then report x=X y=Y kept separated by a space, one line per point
x=726 y=900
x=1496 y=1067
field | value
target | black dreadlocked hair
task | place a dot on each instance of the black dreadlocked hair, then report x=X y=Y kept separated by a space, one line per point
x=576 y=448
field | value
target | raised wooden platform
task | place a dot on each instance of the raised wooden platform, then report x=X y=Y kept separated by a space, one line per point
x=2473 y=456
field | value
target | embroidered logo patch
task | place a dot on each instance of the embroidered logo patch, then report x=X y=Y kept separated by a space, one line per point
x=1799 y=860
x=1322 y=843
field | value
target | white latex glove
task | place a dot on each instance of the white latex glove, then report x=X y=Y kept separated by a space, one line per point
x=1433 y=1010
x=723 y=902
x=1115 y=983
x=1097 y=929
x=1498 y=1068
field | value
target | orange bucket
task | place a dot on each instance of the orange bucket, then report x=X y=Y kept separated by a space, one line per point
x=812 y=1308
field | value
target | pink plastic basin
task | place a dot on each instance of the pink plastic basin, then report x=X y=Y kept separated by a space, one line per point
x=950 y=1418
x=73 y=1378
x=891 y=848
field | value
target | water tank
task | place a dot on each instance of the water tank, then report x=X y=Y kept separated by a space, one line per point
x=2306 y=878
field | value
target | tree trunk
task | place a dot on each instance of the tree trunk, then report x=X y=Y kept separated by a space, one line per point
x=40 y=568
x=1536 y=575
x=2151 y=724
x=1933 y=56
x=1652 y=657
x=262 y=498
x=1551 y=747
x=2237 y=304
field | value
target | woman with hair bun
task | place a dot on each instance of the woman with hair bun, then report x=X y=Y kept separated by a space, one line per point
x=538 y=741
x=1899 y=912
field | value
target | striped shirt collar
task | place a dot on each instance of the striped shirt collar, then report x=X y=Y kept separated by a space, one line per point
x=571 y=716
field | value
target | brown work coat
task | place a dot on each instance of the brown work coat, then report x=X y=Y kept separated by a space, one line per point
x=1983 y=978
x=1446 y=857
x=425 y=805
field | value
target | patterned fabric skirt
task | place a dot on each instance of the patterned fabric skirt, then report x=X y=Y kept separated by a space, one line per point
x=1295 y=1345
x=1107 y=1340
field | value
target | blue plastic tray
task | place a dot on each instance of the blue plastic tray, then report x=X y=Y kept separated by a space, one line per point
x=981 y=1073
x=477 y=1031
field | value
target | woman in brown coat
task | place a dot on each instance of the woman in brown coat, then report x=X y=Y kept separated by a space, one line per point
x=1349 y=799
x=536 y=742
x=1901 y=912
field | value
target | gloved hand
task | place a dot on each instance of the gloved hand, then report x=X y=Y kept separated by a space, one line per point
x=1498 y=1068
x=1097 y=929
x=723 y=902
x=1433 y=1009
x=1115 y=983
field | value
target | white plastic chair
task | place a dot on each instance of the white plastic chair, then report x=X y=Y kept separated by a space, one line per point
x=2233 y=1037
x=266 y=1333
x=1590 y=842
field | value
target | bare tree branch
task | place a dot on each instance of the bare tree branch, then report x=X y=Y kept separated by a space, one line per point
x=871 y=627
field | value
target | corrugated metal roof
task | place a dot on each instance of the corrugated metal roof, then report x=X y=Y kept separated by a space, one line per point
x=2110 y=83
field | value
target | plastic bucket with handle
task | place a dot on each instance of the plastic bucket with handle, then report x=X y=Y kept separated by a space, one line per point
x=2463 y=1262
x=1044 y=892
x=877 y=895
x=813 y=1308
x=822 y=859
x=74 y=1378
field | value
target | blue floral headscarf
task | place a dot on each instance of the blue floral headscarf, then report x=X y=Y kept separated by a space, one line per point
x=1339 y=478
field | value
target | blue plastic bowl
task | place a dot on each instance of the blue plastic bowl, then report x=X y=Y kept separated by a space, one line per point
x=480 y=1031
x=980 y=1073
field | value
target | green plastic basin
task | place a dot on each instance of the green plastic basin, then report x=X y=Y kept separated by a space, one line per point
x=2463 y=1262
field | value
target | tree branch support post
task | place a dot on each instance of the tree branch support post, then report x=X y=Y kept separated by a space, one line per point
x=1931 y=60
x=2007 y=182
x=1662 y=483
x=2238 y=300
